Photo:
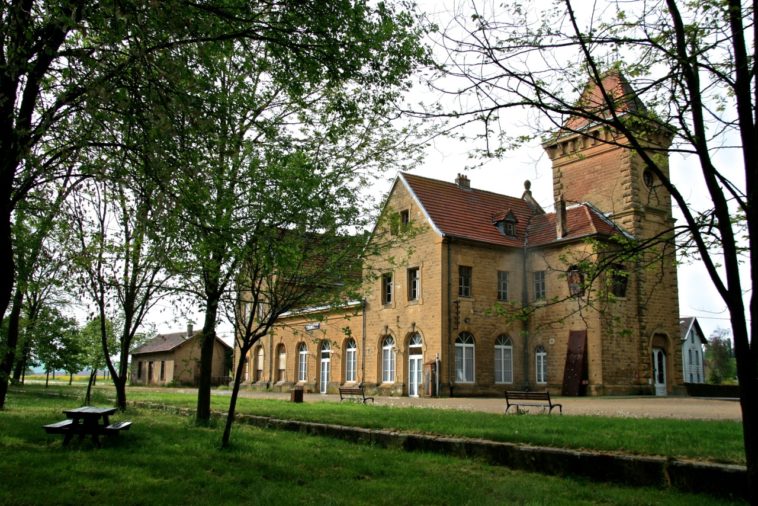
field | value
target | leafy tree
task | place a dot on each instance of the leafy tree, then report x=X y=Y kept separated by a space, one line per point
x=263 y=116
x=92 y=349
x=58 y=342
x=117 y=255
x=37 y=265
x=692 y=65
x=719 y=358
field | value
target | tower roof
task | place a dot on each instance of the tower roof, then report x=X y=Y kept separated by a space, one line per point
x=621 y=99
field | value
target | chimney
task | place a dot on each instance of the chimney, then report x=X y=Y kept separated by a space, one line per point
x=463 y=181
x=561 y=222
x=190 y=333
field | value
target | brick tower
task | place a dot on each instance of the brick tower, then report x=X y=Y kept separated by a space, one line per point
x=638 y=343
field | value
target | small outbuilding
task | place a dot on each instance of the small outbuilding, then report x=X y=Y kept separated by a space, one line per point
x=175 y=359
x=693 y=341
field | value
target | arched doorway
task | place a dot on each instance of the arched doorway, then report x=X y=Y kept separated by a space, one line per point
x=659 y=364
x=659 y=371
x=415 y=364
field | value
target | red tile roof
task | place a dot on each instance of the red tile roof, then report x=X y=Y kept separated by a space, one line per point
x=468 y=213
x=582 y=221
x=162 y=343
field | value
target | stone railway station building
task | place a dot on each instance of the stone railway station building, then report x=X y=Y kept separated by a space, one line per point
x=490 y=293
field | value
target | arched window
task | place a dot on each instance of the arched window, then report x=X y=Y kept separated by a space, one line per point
x=464 y=358
x=258 y=371
x=388 y=360
x=351 y=360
x=503 y=360
x=281 y=366
x=302 y=362
x=541 y=364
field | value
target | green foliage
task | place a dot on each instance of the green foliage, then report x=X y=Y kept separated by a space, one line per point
x=59 y=343
x=719 y=358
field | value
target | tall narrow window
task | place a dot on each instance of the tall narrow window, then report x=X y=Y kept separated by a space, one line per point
x=541 y=365
x=414 y=284
x=258 y=376
x=405 y=217
x=351 y=361
x=281 y=371
x=539 y=285
x=464 y=281
x=302 y=362
x=139 y=370
x=503 y=360
x=502 y=285
x=619 y=280
x=575 y=279
x=388 y=360
x=387 y=288
x=464 y=358
x=163 y=370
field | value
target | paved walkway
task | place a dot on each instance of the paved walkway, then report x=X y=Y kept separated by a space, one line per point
x=632 y=406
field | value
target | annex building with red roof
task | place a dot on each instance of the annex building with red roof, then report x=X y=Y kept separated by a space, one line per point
x=174 y=359
x=481 y=292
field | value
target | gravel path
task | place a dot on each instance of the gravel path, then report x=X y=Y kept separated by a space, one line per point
x=632 y=406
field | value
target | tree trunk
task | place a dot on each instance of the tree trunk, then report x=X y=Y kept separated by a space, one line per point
x=47 y=378
x=120 y=384
x=88 y=396
x=203 y=414
x=233 y=400
x=6 y=365
x=70 y=379
x=8 y=271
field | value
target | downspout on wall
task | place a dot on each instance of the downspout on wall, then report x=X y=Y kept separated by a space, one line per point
x=363 y=341
x=449 y=318
x=524 y=303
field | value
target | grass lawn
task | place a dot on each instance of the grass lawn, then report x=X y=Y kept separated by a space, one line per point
x=165 y=459
x=709 y=440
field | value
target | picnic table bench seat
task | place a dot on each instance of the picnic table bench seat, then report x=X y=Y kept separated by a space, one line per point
x=115 y=428
x=354 y=393
x=521 y=398
x=58 y=427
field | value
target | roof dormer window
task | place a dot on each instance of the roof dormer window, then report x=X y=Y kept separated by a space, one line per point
x=506 y=223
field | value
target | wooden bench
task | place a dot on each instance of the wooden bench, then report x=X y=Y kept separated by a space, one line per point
x=533 y=399
x=354 y=394
x=61 y=427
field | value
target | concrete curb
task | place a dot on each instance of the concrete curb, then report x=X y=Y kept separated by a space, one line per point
x=700 y=477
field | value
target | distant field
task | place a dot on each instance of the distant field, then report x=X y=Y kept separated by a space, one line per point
x=166 y=459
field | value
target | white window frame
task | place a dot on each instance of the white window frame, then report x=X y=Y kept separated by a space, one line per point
x=503 y=360
x=388 y=359
x=351 y=361
x=465 y=358
x=540 y=367
x=302 y=362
